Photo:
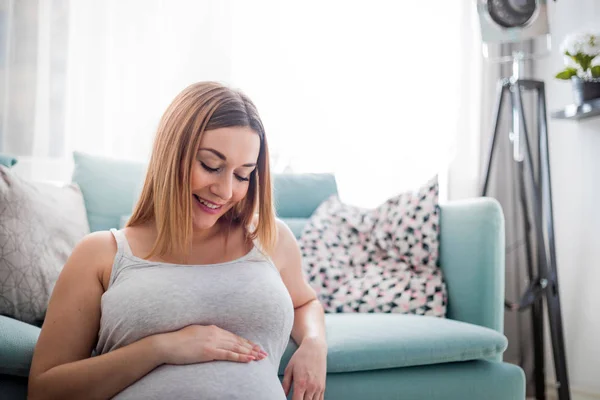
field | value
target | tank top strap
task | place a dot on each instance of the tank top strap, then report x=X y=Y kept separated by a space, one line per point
x=122 y=243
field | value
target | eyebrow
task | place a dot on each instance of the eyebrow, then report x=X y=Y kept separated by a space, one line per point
x=222 y=157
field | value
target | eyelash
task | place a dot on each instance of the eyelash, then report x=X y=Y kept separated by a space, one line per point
x=215 y=170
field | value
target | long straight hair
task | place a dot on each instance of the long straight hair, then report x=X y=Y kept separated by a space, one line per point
x=166 y=196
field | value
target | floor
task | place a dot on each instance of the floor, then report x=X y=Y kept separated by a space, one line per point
x=574 y=396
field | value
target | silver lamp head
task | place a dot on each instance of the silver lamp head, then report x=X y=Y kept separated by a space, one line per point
x=506 y=21
x=521 y=23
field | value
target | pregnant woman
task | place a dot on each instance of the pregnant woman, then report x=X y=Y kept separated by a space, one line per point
x=196 y=298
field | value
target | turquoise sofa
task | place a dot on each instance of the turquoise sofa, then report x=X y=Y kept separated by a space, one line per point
x=371 y=356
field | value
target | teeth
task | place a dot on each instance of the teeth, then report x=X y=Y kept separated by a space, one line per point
x=212 y=206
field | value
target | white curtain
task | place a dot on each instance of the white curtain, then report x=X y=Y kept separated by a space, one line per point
x=383 y=94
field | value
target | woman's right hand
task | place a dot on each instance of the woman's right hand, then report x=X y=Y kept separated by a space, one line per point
x=197 y=343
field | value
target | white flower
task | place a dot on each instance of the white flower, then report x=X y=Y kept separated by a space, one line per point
x=592 y=46
x=581 y=42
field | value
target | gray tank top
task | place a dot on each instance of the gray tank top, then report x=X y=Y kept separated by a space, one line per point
x=245 y=296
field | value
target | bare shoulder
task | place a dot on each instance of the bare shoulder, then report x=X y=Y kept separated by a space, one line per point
x=102 y=241
x=285 y=242
x=284 y=234
x=95 y=252
x=97 y=247
x=286 y=247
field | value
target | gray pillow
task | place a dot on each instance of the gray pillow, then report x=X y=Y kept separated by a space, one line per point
x=40 y=224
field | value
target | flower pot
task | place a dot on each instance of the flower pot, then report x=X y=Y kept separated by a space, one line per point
x=585 y=90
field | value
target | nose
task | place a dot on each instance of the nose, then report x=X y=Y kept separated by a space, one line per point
x=223 y=187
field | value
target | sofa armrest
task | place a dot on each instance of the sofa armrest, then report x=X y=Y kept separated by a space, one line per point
x=17 y=342
x=472 y=259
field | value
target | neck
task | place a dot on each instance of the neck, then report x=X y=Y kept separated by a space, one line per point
x=203 y=235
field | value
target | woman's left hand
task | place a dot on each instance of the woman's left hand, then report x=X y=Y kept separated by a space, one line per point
x=307 y=370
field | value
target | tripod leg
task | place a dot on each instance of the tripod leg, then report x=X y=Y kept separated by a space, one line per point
x=500 y=88
x=552 y=293
x=537 y=307
x=537 y=314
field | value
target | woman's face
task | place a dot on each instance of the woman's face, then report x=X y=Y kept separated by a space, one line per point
x=221 y=172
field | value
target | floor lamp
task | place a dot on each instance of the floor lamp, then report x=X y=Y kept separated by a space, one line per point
x=538 y=221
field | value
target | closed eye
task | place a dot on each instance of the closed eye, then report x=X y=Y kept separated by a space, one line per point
x=215 y=170
x=209 y=169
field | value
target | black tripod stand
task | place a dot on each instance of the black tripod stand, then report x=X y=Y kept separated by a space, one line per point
x=541 y=270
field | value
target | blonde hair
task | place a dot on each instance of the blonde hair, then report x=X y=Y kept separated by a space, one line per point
x=166 y=196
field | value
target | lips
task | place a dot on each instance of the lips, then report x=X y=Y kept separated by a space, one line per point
x=207 y=203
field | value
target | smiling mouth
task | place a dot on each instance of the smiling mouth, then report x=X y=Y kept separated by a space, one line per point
x=208 y=204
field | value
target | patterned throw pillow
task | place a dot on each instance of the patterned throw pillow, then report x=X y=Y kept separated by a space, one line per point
x=39 y=227
x=379 y=260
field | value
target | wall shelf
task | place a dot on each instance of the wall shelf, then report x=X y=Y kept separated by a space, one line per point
x=575 y=112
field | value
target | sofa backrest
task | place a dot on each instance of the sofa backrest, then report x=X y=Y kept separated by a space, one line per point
x=111 y=187
x=297 y=196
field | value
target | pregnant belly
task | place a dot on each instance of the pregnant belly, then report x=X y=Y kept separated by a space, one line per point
x=207 y=381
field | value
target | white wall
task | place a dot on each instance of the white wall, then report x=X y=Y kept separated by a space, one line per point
x=575 y=165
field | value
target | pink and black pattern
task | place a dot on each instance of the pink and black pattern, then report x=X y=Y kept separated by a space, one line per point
x=379 y=260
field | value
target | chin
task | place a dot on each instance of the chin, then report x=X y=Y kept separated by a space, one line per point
x=202 y=223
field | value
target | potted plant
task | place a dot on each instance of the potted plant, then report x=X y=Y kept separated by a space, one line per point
x=582 y=63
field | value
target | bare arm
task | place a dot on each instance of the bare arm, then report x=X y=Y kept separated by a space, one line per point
x=309 y=318
x=99 y=377
x=61 y=366
x=307 y=368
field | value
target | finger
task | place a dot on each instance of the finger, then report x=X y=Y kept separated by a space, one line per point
x=248 y=343
x=256 y=350
x=238 y=345
x=251 y=344
x=240 y=348
x=299 y=392
x=287 y=382
x=228 y=355
x=322 y=395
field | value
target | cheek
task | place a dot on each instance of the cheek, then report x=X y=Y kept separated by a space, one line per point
x=240 y=192
x=198 y=178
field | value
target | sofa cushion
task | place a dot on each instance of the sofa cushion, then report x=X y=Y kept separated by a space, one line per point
x=356 y=342
x=383 y=259
x=40 y=224
x=17 y=342
x=362 y=342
